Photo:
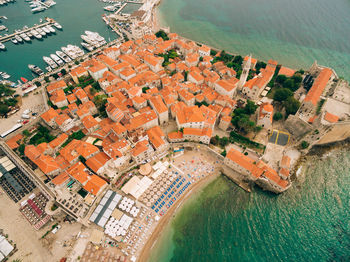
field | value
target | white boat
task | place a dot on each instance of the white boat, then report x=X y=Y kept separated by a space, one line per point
x=58 y=60
x=50 y=62
x=25 y=37
x=87 y=46
x=52 y=30
x=4 y=75
x=38 y=9
x=57 y=25
x=2 y=46
x=63 y=56
x=69 y=52
x=36 y=34
x=47 y=31
x=40 y=31
x=19 y=39
x=14 y=40
x=49 y=69
x=29 y=34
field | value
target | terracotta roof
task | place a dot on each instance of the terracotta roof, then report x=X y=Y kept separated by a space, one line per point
x=77 y=171
x=331 y=118
x=318 y=86
x=286 y=71
x=244 y=161
x=158 y=104
x=55 y=86
x=60 y=179
x=97 y=161
x=12 y=143
x=31 y=152
x=77 y=148
x=285 y=161
x=155 y=135
x=175 y=135
x=49 y=115
x=47 y=164
x=94 y=184
x=139 y=148
x=89 y=122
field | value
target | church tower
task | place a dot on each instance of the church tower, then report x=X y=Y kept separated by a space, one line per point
x=245 y=72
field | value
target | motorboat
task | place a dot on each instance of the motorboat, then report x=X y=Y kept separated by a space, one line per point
x=40 y=31
x=57 y=25
x=52 y=30
x=63 y=56
x=4 y=75
x=38 y=9
x=29 y=34
x=58 y=60
x=49 y=69
x=35 y=69
x=25 y=37
x=36 y=34
x=14 y=40
x=50 y=62
x=2 y=46
x=87 y=46
x=46 y=30
x=19 y=39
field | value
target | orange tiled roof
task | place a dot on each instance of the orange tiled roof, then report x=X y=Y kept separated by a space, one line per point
x=60 y=179
x=97 y=161
x=49 y=115
x=12 y=143
x=318 y=86
x=245 y=162
x=286 y=71
x=94 y=184
x=331 y=118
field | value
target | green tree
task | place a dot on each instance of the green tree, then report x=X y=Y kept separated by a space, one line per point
x=21 y=149
x=277 y=116
x=26 y=133
x=250 y=107
x=282 y=94
x=291 y=105
x=304 y=144
x=224 y=141
x=47 y=79
x=3 y=109
x=162 y=34
x=37 y=83
x=63 y=71
x=281 y=79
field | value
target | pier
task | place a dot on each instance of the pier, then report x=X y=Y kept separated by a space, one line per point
x=9 y=37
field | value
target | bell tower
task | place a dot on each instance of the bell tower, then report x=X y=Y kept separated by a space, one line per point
x=245 y=72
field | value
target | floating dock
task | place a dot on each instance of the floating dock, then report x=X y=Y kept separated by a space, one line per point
x=9 y=37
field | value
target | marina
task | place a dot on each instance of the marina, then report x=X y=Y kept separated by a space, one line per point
x=18 y=35
x=16 y=58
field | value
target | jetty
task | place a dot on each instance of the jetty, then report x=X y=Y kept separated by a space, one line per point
x=6 y=38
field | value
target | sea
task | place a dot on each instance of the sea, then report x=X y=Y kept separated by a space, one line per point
x=295 y=33
x=309 y=222
x=75 y=16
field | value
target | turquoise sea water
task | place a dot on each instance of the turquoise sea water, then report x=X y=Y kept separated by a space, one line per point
x=75 y=16
x=310 y=222
x=295 y=33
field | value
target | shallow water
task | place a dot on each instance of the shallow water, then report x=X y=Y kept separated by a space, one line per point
x=295 y=33
x=310 y=222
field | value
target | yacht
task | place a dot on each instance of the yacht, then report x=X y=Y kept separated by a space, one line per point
x=40 y=31
x=58 y=60
x=4 y=75
x=25 y=37
x=38 y=9
x=35 y=69
x=52 y=30
x=87 y=46
x=29 y=33
x=57 y=25
x=14 y=40
x=46 y=30
x=2 y=46
x=36 y=34
x=49 y=69
x=19 y=39
x=50 y=62
x=63 y=56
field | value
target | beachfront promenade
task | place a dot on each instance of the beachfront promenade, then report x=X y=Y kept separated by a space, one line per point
x=9 y=37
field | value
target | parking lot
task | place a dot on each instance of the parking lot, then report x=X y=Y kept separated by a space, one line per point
x=279 y=138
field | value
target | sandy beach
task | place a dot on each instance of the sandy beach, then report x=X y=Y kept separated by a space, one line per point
x=197 y=187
